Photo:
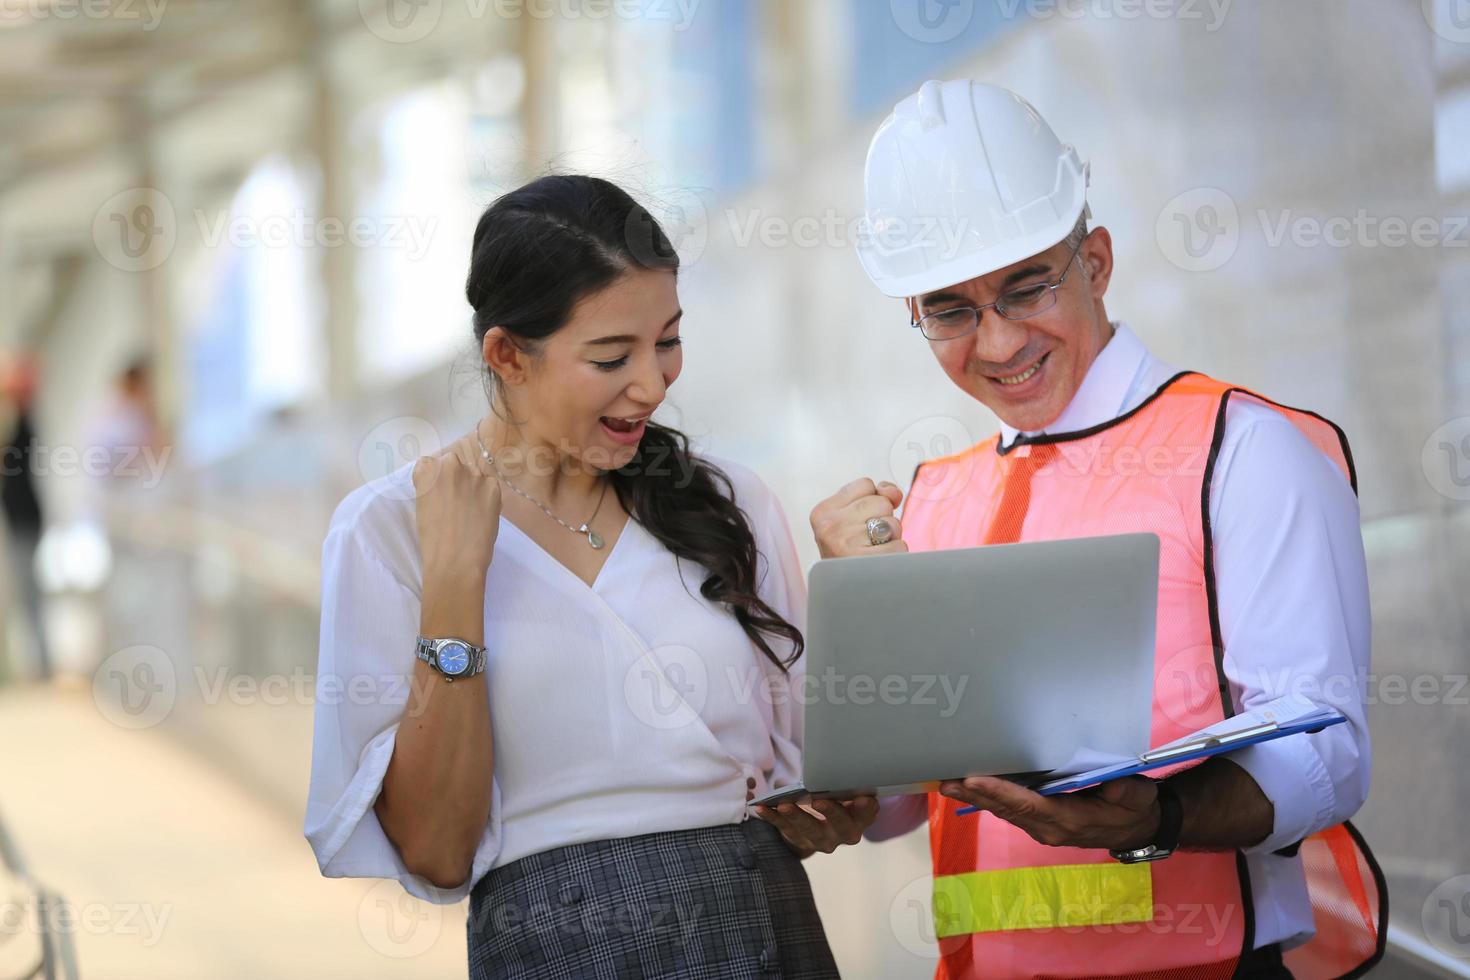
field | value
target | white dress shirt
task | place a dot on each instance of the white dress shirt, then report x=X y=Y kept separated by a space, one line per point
x=1292 y=586
x=631 y=706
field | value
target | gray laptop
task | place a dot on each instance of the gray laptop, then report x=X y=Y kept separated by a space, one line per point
x=1009 y=660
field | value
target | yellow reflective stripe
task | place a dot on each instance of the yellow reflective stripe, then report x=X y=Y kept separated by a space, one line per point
x=1039 y=898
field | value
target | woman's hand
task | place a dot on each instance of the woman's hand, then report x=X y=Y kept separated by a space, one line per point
x=457 y=511
x=841 y=822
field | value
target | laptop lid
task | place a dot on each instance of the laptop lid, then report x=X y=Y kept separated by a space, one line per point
x=1006 y=659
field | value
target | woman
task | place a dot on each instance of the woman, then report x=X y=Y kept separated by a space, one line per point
x=639 y=609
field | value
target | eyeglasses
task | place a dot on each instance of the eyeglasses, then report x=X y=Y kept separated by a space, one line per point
x=1016 y=304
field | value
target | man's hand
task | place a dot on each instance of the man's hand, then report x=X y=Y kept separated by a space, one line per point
x=841 y=822
x=1119 y=815
x=840 y=522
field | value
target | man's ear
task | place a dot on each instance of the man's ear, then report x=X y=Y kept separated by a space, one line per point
x=503 y=356
x=1097 y=255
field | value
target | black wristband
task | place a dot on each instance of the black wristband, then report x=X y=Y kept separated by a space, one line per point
x=1171 y=817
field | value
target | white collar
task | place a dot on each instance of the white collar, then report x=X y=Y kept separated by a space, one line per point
x=1104 y=391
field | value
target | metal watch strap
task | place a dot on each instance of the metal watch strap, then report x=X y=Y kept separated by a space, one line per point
x=426 y=650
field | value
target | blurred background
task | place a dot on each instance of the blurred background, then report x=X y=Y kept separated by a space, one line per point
x=233 y=240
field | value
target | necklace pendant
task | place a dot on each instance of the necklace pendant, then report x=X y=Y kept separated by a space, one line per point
x=593 y=538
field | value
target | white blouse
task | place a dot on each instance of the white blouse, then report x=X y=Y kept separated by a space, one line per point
x=629 y=707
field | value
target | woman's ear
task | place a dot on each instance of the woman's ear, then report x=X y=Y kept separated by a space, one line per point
x=502 y=356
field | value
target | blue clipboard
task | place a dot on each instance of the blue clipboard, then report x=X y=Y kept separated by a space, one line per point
x=1187 y=751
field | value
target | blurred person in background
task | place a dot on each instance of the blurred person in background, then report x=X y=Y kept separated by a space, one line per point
x=135 y=446
x=127 y=426
x=636 y=610
x=18 y=495
x=1263 y=589
x=127 y=452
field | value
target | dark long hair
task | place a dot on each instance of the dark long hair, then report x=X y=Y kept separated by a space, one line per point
x=539 y=250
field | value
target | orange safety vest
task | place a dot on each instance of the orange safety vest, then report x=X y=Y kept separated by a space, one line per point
x=1006 y=906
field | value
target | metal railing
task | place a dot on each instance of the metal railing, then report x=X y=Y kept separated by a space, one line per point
x=55 y=957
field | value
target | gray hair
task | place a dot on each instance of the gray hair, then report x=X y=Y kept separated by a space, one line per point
x=1075 y=236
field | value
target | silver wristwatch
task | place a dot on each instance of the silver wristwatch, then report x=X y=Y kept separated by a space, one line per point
x=451 y=656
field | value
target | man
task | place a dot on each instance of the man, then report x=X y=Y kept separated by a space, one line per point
x=1263 y=588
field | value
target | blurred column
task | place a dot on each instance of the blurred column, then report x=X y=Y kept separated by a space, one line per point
x=801 y=113
x=155 y=302
x=1452 y=143
x=803 y=102
x=540 y=108
x=327 y=135
x=9 y=306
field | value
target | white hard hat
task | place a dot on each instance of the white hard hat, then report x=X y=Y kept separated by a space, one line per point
x=963 y=179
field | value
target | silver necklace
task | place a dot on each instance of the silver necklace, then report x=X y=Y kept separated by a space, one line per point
x=593 y=538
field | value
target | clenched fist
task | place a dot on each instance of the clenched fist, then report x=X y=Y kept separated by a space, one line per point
x=457 y=510
x=841 y=521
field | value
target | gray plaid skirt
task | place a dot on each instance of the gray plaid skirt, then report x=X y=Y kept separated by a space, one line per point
x=716 y=902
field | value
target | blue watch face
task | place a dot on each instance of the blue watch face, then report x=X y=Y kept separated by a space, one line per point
x=454 y=658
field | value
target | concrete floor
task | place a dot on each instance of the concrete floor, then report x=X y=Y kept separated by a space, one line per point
x=174 y=869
